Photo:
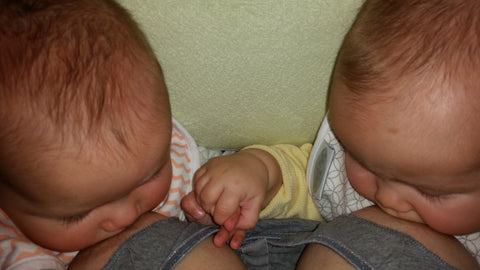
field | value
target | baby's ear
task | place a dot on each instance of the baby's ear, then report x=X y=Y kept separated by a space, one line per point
x=244 y=72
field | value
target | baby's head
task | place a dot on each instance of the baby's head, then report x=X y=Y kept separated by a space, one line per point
x=85 y=121
x=405 y=104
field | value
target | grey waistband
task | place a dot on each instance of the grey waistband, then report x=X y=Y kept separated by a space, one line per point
x=277 y=244
x=367 y=245
x=159 y=246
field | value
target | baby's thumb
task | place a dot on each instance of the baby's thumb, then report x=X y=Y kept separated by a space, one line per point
x=191 y=207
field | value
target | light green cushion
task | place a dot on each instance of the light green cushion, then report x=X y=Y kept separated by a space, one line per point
x=241 y=72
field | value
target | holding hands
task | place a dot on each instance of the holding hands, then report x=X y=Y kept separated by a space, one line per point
x=231 y=191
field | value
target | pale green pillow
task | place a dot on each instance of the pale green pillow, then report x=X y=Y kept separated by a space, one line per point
x=241 y=72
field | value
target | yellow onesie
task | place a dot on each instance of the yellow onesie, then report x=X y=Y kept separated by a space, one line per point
x=293 y=200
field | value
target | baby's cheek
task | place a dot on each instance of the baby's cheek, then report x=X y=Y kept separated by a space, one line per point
x=153 y=193
x=450 y=217
x=60 y=237
x=361 y=179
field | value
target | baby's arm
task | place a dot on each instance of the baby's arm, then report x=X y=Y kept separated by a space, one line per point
x=233 y=190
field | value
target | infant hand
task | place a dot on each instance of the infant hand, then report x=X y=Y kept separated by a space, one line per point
x=193 y=210
x=223 y=235
x=232 y=188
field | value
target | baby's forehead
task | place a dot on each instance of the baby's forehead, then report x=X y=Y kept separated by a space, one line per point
x=440 y=129
x=419 y=98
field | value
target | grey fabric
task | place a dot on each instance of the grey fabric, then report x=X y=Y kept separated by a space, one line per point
x=263 y=247
x=159 y=246
x=163 y=244
x=367 y=245
x=278 y=244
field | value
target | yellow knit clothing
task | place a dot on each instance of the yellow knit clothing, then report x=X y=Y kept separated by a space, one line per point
x=293 y=200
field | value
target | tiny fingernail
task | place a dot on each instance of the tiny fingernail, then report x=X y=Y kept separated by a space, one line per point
x=199 y=213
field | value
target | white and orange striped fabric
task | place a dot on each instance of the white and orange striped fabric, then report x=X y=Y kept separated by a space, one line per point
x=17 y=252
x=185 y=161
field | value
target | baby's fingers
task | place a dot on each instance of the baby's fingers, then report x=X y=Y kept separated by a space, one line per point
x=193 y=211
x=237 y=239
x=222 y=237
x=200 y=179
x=227 y=209
x=232 y=221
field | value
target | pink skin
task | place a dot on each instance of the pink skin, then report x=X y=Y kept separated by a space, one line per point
x=231 y=191
x=423 y=168
x=108 y=191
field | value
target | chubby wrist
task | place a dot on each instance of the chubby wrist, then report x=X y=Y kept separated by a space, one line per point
x=273 y=176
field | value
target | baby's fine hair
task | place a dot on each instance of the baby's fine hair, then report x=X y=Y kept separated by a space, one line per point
x=65 y=73
x=392 y=40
